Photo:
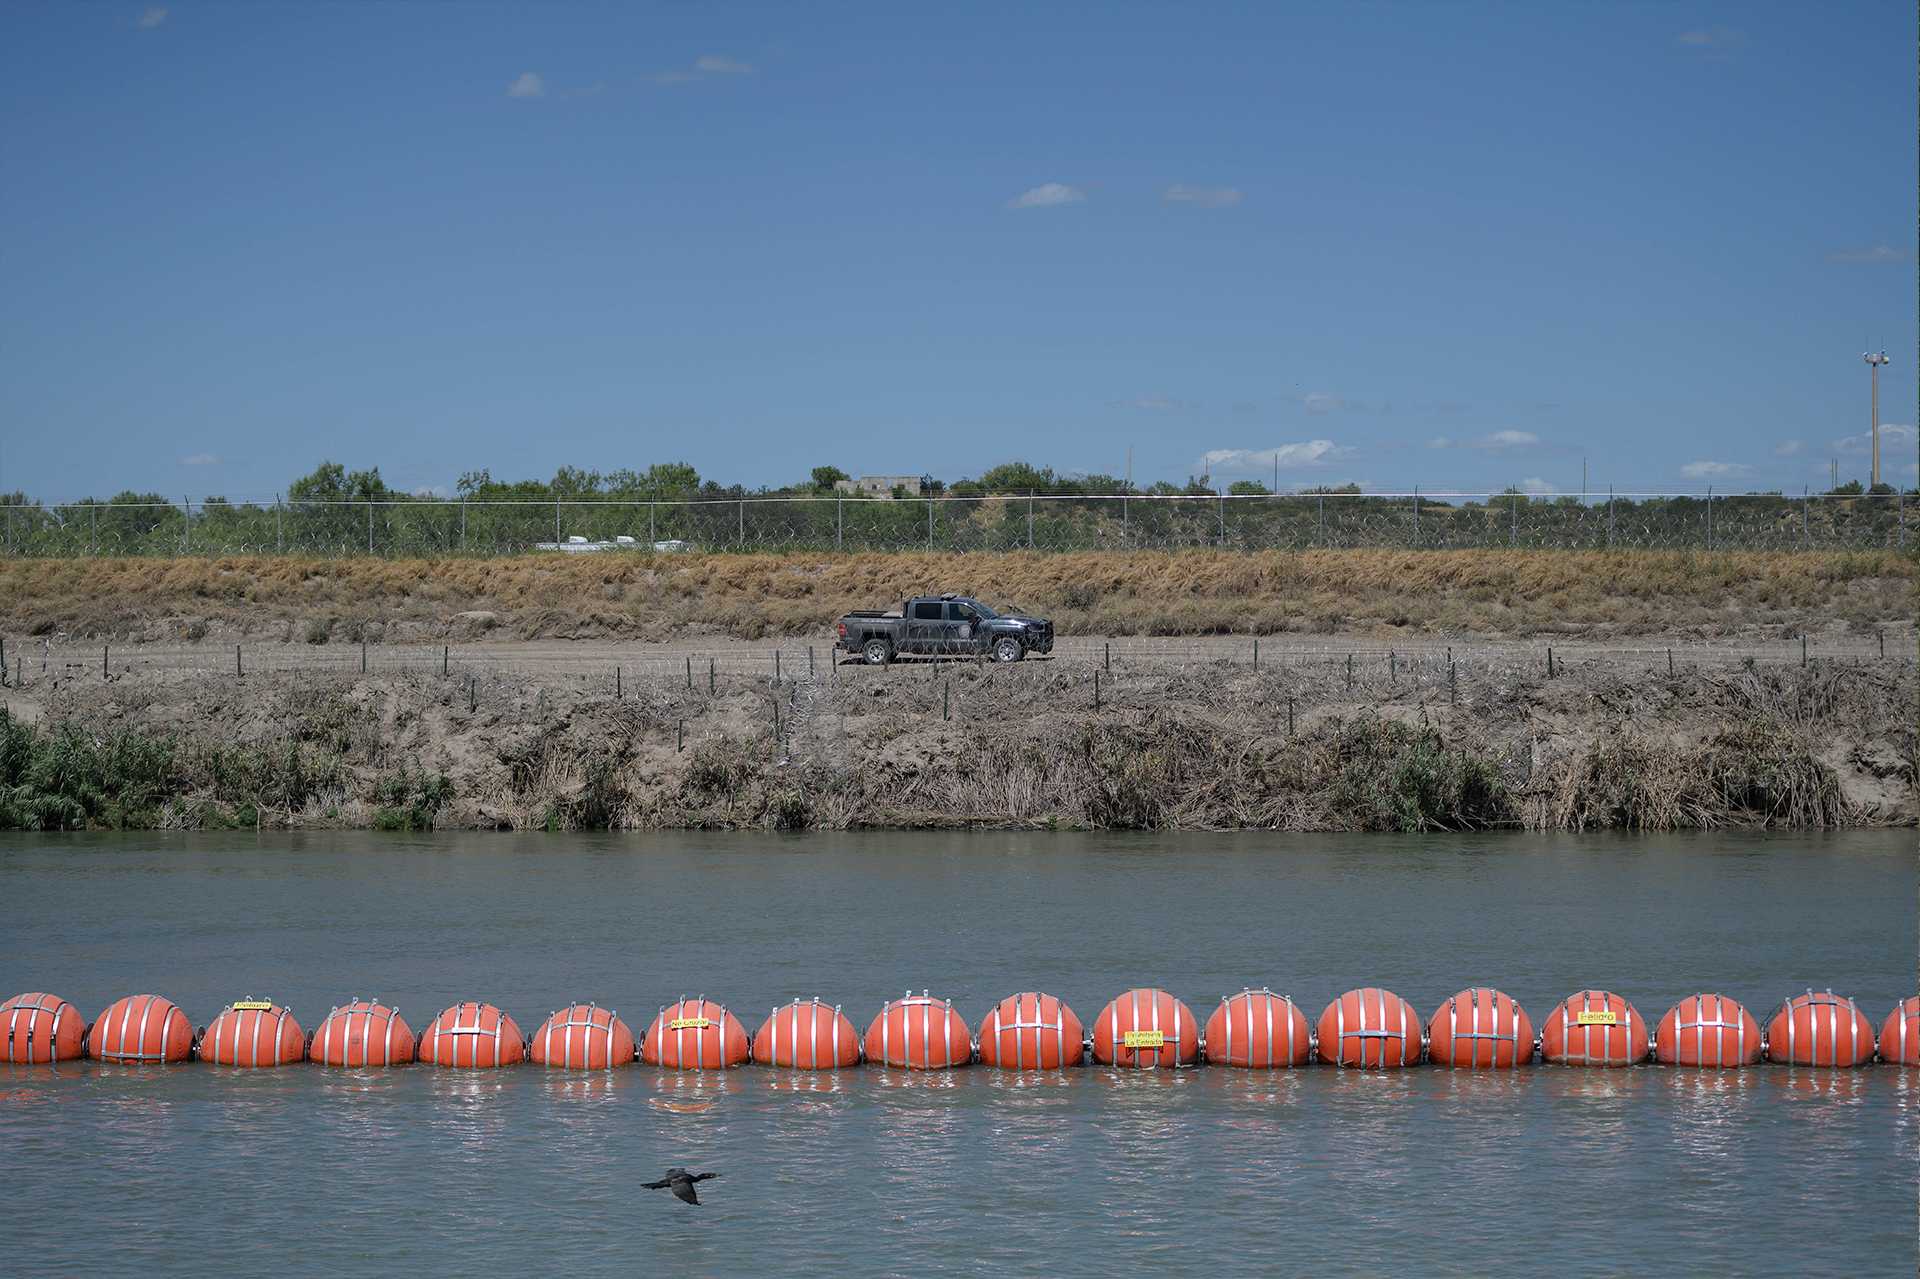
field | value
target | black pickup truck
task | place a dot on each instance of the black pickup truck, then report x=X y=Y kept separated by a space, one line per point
x=944 y=624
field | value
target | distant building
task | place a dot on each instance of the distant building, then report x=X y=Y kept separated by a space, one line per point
x=880 y=485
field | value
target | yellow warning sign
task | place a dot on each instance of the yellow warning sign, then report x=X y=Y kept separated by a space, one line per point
x=1144 y=1039
x=252 y=1005
x=689 y=1023
x=1608 y=1018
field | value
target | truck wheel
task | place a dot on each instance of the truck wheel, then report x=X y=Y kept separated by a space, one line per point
x=1008 y=650
x=878 y=652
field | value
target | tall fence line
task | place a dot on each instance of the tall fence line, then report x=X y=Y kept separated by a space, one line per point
x=399 y=527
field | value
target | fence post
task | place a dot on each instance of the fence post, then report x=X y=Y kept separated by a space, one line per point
x=743 y=523
x=363 y=657
x=463 y=523
x=93 y=527
x=236 y=661
x=839 y=511
x=369 y=526
x=186 y=519
x=1709 y=517
x=1029 y=519
x=1609 y=517
x=1320 y=534
x=556 y=523
x=1513 y=537
x=279 y=533
x=616 y=683
x=1416 y=517
x=929 y=520
x=652 y=536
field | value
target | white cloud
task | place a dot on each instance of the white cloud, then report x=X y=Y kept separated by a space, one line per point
x=1878 y=253
x=1200 y=197
x=1155 y=403
x=1893 y=435
x=1717 y=471
x=200 y=459
x=1534 y=484
x=1308 y=455
x=438 y=490
x=151 y=18
x=1503 y=444
x=1044 y=197
x=527 y=86
x=722 y=65
x=1322 y=402
x=1791 y=448
x=1713 y=35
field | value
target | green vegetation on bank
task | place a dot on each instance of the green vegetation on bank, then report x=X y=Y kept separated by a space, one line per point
x=334 y=511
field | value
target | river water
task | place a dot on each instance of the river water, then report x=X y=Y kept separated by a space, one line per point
x=1769 y=1170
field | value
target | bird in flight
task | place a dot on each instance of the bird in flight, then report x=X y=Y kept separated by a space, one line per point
x=680 y=1182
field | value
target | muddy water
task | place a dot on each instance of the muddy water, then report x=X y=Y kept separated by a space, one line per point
x=1764 y=1171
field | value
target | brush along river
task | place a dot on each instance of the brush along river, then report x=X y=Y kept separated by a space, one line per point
x=196 y=1168
x=1212 y=734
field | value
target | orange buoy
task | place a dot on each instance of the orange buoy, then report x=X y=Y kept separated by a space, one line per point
x=253 y=1032
x=1147 y=1028
x=1258 y=1028
x=1707 y=1030
x=1899 y=1037
x=1031 y=1031
x=1593 y=1028
x=919 y=1032
x=141 y=1028
x=1370 y=1027
x=695 y=1034
x=1480 y=1027
x=807 y=1036
x=1820 y=1030
x=364 y=1033
x=42 y=1027
x=473 y=1034
x=583 y=1037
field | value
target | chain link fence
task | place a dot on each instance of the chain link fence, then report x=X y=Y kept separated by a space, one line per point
x=402 y=527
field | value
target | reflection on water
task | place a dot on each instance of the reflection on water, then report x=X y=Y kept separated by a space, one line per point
x=895 y=1172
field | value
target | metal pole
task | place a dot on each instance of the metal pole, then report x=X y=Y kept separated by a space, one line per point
x=1805 y=534
x=186 y=520
x=369 y=524
x=652 y=537
x=93 y=520
x=1709 y=517
x=1609 y=517
x=463 y=523
x=839 y=513
x=1875 y=361
x=279 y=534
x=929 y=521
x=1416 y=517
x=1029 y=519
x=1320 y=537
x=743 y=524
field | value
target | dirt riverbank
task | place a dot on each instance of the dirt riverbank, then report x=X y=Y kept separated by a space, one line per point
x=1476 y=735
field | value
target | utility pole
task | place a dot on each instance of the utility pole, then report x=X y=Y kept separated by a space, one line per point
x=1875 y=361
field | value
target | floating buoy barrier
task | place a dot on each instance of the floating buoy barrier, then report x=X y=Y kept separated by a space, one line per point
x=1258 y=1028
x=363 y=1033
x=473 y=1035
x=42 y=1028
x=695 y=1034
x=1707 y=1030
x=1370 y=1028
x=1146 y=1028
x=583 y=1037
x=1820 y=1030
x=1594 y=1028
x=141 y=1028
x=807 y=1036
x=919 y=1032
x=1480 y=1027
x=1031 y=1031
x=253 y=1032
x=1900 y=1034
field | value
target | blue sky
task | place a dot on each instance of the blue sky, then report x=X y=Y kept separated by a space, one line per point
x=1446 y=245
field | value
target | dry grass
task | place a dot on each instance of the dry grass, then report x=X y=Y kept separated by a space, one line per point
x=1614 y=593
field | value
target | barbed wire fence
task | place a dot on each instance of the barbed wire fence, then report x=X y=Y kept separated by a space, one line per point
x=395 y=527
